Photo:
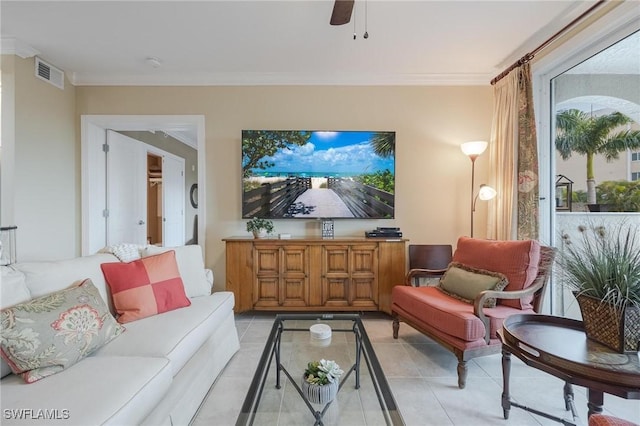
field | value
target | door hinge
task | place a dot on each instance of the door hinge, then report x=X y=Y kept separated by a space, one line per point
x=105 y=147
x=182 y=173
x=105 y=213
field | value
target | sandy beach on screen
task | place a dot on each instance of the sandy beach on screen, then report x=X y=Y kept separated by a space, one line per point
x=316 y=182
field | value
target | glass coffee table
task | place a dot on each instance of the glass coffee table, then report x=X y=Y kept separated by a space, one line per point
x=275 y=396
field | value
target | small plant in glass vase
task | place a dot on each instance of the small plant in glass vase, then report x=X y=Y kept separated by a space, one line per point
x=260 y=227
x=320 y=381
x=602 y=268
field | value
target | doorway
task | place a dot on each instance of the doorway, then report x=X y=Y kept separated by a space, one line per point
x=154 y=199
x=94 y=127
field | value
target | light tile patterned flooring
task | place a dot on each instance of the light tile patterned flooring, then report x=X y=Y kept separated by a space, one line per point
x=423 y=379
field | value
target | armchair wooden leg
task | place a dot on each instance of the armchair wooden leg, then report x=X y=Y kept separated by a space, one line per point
x=396 y=327
x=462 y=374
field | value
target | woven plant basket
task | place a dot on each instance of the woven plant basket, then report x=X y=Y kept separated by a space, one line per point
x=603 y=323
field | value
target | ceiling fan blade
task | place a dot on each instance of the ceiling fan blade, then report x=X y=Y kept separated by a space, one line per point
x=341 y=12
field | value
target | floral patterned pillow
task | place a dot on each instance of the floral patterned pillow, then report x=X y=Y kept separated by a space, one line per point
x=44 y=336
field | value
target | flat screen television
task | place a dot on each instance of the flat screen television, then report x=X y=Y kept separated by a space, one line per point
x=290 y=174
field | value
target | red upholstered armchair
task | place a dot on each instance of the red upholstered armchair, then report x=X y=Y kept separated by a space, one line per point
x=455 y=313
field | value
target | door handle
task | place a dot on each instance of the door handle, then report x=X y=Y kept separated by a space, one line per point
x=141 y=222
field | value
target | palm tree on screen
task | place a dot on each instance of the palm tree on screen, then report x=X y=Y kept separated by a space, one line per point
x=384 y=144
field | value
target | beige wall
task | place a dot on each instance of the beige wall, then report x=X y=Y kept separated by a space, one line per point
x=7 y=150
x=46 y=176
x=432 y=174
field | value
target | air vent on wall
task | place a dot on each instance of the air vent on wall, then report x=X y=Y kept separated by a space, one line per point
x=49 y=73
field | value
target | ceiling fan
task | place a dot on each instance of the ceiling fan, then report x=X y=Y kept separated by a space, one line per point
x=341 y=12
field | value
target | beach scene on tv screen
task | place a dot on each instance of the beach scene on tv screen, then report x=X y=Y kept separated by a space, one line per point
x=318 y=174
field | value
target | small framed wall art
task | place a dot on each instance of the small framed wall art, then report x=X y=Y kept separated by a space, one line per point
x=327 y=228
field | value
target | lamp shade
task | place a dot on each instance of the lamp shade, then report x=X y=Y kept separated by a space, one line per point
x=474 y=148
x=486 y=192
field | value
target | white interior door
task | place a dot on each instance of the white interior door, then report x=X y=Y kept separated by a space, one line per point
x=94 y=191
x=173 y=199
x=126 y=197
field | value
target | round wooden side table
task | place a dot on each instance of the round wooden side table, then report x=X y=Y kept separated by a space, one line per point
x=560 y=347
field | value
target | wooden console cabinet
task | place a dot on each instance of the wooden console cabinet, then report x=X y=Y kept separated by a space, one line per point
x=313 y=274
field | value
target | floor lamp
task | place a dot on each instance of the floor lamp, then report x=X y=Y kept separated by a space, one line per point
x=484 y=193
x=473 y=150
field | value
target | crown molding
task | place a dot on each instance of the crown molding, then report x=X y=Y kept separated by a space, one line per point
x=12 y=46
x=282 y=79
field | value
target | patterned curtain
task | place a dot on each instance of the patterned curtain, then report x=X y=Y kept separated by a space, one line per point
x=528 y=186
x=514 y=159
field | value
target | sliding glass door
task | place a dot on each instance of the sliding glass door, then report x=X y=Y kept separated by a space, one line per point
x=594 y=106
x=591 y=75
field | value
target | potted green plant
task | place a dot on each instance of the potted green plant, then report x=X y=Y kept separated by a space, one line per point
x=602 y=268
x=260 y=227
x=320 y=381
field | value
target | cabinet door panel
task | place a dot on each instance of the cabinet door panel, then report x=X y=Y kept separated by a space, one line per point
x=335 y=276
x=364 y=273
x=294 y=292
x=295 y=260
x=365 y=292
x=266 y=292
x=294 y=281
x=267 y=261
x=335 y=292
x=364 y=259
x=336 y=260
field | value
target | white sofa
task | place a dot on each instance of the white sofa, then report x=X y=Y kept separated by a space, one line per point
x=155 y=373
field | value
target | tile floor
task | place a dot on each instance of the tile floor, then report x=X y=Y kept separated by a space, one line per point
x=423 y=379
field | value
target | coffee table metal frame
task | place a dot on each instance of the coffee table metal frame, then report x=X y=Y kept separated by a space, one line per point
x=362 y=346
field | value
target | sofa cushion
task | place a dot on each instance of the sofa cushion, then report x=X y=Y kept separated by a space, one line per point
x=46 y=335
x=14 y=287
x=432 y=306
x=145 y=287
x=466 y=283
x=449 y=315
x=46 y=277
x=13 y=290
x=191 y=266
x=517 y=260
x=95 y=391
x=182 y=331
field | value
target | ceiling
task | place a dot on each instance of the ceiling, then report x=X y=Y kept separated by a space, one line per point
x=280 y=42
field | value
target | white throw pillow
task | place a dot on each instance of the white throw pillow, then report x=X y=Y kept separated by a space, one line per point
x=126 y=252
x=191 y=266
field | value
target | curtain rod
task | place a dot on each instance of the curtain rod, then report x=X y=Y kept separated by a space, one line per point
x=529 y=56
